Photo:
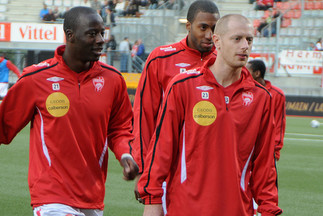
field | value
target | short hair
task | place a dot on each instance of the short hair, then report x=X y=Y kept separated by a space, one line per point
x=205 y=6
x=72 y=16
x=258 y=64
x=222 y=24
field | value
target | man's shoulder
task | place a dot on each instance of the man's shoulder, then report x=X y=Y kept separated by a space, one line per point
x=186 y=76
x=35 y=68
x=277 y=90
x=169 y=49
x=108 y=69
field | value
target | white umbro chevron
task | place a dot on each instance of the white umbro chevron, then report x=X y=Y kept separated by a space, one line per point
x=55 y=79
x=204 y=88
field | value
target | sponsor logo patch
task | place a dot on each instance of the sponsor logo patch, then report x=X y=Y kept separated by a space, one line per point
x=193 y=71
x=42 y=64
x=204 y=113
x=98 y=83
x=247 y=98
x=57 y=104
x=167 y=49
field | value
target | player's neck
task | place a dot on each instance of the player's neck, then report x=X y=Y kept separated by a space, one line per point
x=225 y=74
x=75 y=65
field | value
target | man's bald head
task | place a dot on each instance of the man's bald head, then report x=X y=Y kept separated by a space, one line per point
x=223 y=23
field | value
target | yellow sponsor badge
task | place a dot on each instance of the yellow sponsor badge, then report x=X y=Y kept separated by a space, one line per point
x=57 y=104
x=204 y=113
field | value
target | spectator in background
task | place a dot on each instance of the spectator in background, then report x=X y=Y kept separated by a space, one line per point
x=5 y=67
x=319 y=45
x=133 y=8
x=103 y=10
x=263 y=23
x=141 y=50
x=264 y=4
x=62 y=14
x=121 y=7
x=124 y=48
x=257 y=69
x=43 y=11
x=96 y=5
x=153 y=4
x=109 y=18
x=134 y=49
x=311 y=47
x=56 y=12
x=50 y=17
x=111 y=47
x=272 y=22
x=85 y=3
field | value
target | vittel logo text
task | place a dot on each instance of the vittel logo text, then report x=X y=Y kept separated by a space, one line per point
x=38 y=33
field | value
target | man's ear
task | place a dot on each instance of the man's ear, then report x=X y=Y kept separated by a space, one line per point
x=216 y=41
x=257 y=73
x=69 y=35
x=188 y=26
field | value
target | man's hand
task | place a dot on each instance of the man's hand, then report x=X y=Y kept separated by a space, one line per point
x=153 y=210
x=130 y=168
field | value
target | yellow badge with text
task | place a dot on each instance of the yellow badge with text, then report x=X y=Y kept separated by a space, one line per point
x=204 y=113
x=57 y=104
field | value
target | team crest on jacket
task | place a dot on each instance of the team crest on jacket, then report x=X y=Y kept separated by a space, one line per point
x=98 y=83
x=247 y=98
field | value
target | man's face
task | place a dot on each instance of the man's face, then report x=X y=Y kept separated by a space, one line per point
x=201 y=31
x=88 y=38
x=235 y=44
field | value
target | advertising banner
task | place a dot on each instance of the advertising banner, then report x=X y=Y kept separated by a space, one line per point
x=4 y=32
x=37 y=32
x=293 y=62
x=304 y=106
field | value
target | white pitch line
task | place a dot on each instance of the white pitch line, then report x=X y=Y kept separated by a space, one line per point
x=309 y=135
x=297 y=139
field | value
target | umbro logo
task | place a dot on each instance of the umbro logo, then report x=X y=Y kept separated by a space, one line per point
x=204 y=88
x=55 y=79
x=182 y=64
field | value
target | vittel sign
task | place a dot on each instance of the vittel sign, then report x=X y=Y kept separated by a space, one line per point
x=37 y=32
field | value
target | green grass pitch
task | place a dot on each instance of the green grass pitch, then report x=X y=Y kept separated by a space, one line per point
x=300 y=176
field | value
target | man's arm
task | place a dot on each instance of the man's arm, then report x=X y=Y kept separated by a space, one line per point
x=264 y=173
x=13 y=68
x=16 y=109
x=146 y=106
x=120 y=122
x=280 y=118
x=163 y=149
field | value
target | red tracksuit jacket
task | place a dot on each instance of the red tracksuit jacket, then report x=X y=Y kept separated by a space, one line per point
x=215 y=150
x=161 y=66
x=279 y=104
x=74 y=119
